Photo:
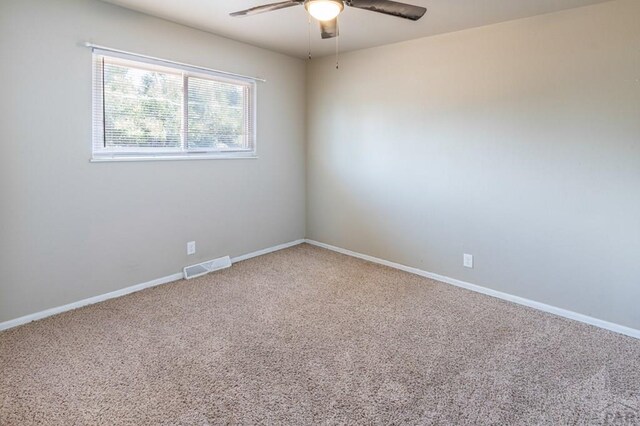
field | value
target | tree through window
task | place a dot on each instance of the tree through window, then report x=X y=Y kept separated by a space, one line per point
x=146 y=109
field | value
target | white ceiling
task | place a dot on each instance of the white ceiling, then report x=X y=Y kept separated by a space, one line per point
x=286 y=30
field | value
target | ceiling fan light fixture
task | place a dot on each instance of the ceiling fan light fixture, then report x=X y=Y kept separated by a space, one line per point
x=324 y=10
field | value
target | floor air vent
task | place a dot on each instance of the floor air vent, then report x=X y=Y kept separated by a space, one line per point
x=206 y=267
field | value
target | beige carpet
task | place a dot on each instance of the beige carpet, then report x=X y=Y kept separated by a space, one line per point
x=307 y=336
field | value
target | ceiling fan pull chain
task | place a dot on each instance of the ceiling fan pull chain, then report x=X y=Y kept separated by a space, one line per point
x=309 y=17
x=337 y=51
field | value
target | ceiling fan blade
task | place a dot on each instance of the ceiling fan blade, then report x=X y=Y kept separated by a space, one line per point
x=267 y=8
x=388 y=7
x=329 y=29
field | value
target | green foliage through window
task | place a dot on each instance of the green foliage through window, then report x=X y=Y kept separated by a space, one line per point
x=149 y=108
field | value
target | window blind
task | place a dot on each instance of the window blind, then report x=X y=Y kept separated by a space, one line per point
x=144 y=107
x=218 y=115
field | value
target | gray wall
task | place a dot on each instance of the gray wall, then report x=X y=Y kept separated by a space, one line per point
x=518 y=143
x=70 y=229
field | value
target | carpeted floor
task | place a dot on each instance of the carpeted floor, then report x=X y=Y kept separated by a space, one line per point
x=307 y=336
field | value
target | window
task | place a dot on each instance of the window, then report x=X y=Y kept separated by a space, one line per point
x=148 y=108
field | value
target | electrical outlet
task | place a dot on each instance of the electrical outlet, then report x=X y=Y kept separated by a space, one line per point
x=467 y=261
x=191 y=247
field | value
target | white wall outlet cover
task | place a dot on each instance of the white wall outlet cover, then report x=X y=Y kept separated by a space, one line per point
x=468 y=261
x=191 y=247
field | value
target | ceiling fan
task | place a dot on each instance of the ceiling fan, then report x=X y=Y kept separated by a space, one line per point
x=327 y=11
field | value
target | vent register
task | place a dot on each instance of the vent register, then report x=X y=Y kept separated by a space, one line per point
x=204 y=268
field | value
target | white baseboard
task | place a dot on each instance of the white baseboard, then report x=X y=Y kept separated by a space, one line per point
x=128 y=290
x=266 y=251
x=90 y=301
x=627 y=331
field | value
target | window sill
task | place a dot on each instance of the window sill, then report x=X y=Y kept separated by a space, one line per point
x=133 y=158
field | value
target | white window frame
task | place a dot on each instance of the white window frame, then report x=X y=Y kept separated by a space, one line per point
x=101 y=153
